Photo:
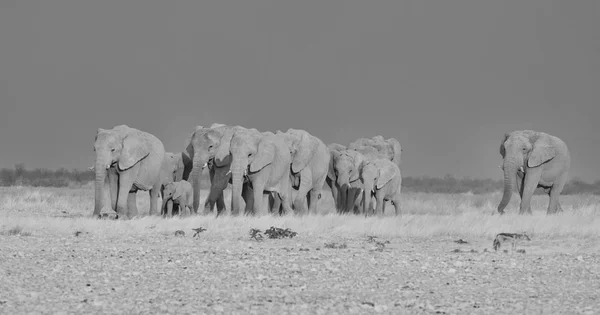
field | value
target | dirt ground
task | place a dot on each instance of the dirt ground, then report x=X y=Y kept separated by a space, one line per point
x=308 y=274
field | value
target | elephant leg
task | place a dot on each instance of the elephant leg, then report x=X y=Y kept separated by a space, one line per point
x=275 y=200
x=335 y=193
x=170 y=208
x=554 y=204
x=258 y=188
x=249 y=197
x=154 y=199
x=313 y=199
x=532 y=178
x=380 y=202
x=132 y=204
x=221 y=203
x=125 y=184
x=113 y=187
x=396 y=202
x=305 y=186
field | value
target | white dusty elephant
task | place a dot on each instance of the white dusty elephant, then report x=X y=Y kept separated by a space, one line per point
x=264 y=159
x=344 y=174
x=202 y=147
x=533 y=159
x=177 y=194
x=332 y=178
x=130 y=160
x=310 y=163
x=381 y=178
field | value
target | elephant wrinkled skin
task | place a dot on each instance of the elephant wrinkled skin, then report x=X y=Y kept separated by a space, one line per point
x=202 y=147
x=381 y=178
x=264 y=159
x=533 y=159
x=127 y=160
x=310 y=163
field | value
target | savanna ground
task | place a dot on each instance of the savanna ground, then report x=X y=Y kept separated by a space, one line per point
x=55 y=259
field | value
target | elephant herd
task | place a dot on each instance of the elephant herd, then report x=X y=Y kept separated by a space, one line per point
x=285 y=172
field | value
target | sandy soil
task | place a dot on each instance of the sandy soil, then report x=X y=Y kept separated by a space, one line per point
x=158 y=272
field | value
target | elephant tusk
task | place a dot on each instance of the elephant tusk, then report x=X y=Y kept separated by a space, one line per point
x=501 y=167
x=228 y=172
x=522 y=169
x=205 y=165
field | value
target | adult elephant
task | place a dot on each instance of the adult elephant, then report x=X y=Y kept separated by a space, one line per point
x=331 y=179
x=344 y=168
x=132 y=160
x=310 y=163
x=533 y=159
x=264 y=159
x=202 y=147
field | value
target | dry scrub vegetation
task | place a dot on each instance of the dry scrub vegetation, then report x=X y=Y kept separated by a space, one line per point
x=60 y=210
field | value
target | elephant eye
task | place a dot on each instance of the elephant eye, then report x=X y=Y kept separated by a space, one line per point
x=112 y=150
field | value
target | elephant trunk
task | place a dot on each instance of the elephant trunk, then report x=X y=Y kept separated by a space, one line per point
x=510 y=177
x=101 y=171
x=198 y=165
x=344 y=191
x=238 y=166
x=163 y=208
x=367 y=189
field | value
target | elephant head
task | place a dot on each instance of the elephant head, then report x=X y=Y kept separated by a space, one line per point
x=521 y=151
x=174 y=166
x=248 y=155
x=375 y=174
x=302 y=147
x=121 y=147
x=346 y=170
x=170 y=193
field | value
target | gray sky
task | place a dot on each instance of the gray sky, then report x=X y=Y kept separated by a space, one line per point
x=446 y=78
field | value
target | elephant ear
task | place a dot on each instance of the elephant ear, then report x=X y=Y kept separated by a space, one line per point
x=542 y=152
x=331 y=170
x=223 y=149
x=358 y=159
x=178 y=190
x=179 y=166
x=307 y=146
x=502 y=149
x=264 y=155
x=397 y=151
x=387 y=171
x=135 y=148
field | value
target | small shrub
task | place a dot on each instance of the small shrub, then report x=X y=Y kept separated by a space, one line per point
x=336 y=245
x=274 y=232
x=16 y=230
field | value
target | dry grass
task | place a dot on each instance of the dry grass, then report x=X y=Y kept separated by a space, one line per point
x=48 y=211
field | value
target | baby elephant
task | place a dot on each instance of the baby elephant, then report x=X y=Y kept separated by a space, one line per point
x=180 y=194
x=381 y=178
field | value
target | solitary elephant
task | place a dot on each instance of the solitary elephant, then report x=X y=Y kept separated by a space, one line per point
x=177 y=194
x=310 y=163
x=381 y=178
x=264 y=159
x=533 y=159
x=132 y=160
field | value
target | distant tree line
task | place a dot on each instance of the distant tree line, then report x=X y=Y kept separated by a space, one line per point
x=20 y=176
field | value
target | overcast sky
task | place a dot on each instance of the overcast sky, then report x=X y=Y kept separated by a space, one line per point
x=446 y=78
